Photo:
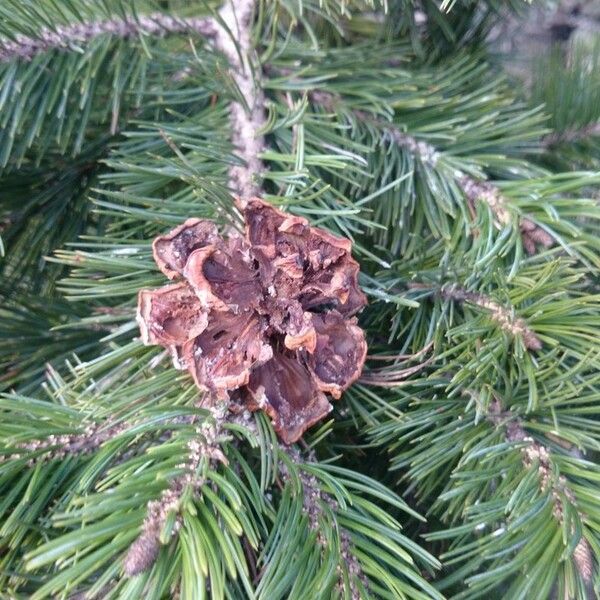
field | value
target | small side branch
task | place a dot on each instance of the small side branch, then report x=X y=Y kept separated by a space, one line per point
x=504 y=317
x=231 y=34
x=63 y=37
x=312 y=505
x=395 y=372
x=483 y=191
x=534 y=454
x=572 y=135
x=56 y=447
x=474 y=190
x=204 y=446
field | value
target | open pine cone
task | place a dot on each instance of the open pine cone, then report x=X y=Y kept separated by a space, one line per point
x=269 y=315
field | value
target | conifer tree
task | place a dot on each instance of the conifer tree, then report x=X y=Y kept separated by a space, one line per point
x=299 y=299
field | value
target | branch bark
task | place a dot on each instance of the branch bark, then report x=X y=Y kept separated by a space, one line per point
x=234 y=39
x=64 y=37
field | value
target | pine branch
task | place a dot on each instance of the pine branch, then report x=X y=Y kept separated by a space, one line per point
x=572 y=134
x=247 y=119
x=65 y=37
x=482 y=191
x=112 y=80
x=313 y=499
x=474 y=190
x=566 y=80
x=235 y=24
x=232 y=36
x=61 y=446
x=505 y=318
x=508 y=491
x=337 y=512
x=536 y=455
x=204 y=452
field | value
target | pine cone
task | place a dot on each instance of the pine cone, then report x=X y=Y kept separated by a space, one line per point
x=268 y=315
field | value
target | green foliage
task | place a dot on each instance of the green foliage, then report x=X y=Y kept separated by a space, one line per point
x=499 y=520
x=37 y=335
x=436 y=28
x=231 y=529
x=60 y=100
x=567 y=81
x=45 y=207
x=382 y=161
x=568 y=85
